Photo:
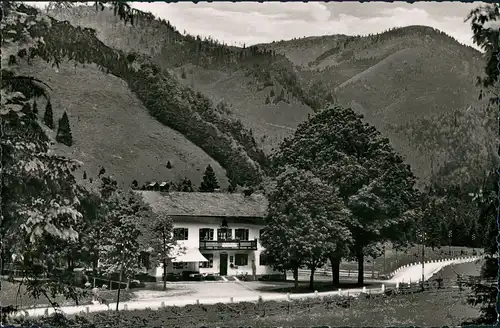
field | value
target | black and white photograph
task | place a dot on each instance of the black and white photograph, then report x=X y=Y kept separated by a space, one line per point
x=249 y=164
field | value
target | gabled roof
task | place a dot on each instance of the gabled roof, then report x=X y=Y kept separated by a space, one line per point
x=206 y=204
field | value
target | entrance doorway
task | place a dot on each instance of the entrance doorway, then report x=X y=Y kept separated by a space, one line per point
x=223 y=265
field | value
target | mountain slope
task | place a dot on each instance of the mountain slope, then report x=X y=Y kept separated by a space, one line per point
x=396 y=79
x=180 y=108
x=112 y=129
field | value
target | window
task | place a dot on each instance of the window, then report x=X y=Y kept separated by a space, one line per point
x=262 y=259
x=241 y=259
x=206 y=234
x=210 y=263
x=179 y=265
x=241 y=234
x=181 y=233
x=224 y=234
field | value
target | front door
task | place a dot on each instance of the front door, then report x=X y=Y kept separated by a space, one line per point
x=223 y=265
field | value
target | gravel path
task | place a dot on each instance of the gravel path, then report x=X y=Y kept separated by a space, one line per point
x=233 y=292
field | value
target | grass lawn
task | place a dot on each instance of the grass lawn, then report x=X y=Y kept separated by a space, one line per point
x=9 y=296
x=444 y=308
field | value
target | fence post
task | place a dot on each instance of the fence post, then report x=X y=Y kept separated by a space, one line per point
x=125 y=307
x=316 y=293
x=348 y=273
x=231 y=300
x=197 y=302
x=87 y=309
x=94 y=282
x=364 y=289
x=397 y=285
x=47 y=311
x=288 y=296
x=383 y=288
x=340 y=291
x=163 y=304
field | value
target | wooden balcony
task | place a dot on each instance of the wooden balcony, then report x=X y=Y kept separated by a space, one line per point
x=248 y=245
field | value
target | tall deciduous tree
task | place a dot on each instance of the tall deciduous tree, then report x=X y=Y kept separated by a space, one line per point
x=126 y=216
x=306 y=222
x=336 y=146
x=64 y=135
x=486 y=33
x=40 y=213
x=163 y=242
x=209 y=183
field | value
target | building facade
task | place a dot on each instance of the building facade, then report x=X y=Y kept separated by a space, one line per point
x=216 y=233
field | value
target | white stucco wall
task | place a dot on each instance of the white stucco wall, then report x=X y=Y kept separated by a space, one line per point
x=193 y=242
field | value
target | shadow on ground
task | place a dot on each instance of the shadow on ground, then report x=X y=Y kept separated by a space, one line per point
x=320 y=286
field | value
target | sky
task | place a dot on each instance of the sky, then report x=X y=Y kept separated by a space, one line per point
x=254 y=22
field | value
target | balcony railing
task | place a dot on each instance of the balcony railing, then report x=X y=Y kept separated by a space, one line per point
x=228 y=244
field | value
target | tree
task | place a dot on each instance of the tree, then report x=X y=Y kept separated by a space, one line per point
x=306 y=221
x=135 y=184
x=209 y=183
x=126 y=221
x=64 y=131
x=48 y=117
x=267 y=101
x=163 y=236
x=35 y=108
x=484 y=24
x=40 y=215
x=375 y=184
x=185 y=186
x=169 y=166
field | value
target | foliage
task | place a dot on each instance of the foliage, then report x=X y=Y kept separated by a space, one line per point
x=40 y=217
x=486 y=34
x=64 y=131
x=48 y=117
x=209 y=183
x=306 y=221
x=337 y=147
x=42 y=223
x=185 y=186
x=163 y=243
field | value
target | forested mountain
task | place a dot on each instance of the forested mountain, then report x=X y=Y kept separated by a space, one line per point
x=415 y=84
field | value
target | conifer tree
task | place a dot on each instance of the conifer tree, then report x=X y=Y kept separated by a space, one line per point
x=209 y=183
x=48 y=117
x=169 y=165
x=64 y=131
x=35 y=108
x=186 y=185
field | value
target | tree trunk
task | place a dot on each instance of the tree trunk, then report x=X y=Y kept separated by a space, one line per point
x=335 y=261
x=296 y=277
x=164 y=275
x=119 y=289
x=361 y=266
x=311 y=278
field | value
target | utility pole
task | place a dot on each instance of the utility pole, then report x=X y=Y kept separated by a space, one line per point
x=450 y=235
